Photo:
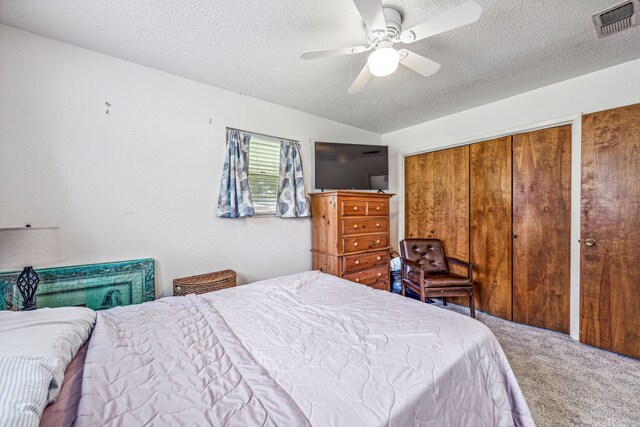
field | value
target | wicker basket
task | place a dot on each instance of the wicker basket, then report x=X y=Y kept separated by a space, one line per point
x=203 y=283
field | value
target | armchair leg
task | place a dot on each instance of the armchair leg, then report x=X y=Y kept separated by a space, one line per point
x=403 y=288
x=472 y=309
x=423 y=295
x=444 y=301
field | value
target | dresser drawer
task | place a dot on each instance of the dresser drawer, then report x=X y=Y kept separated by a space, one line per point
x=365 y=243
x=378 y=207
x=363 y=225
x=354 y=208
x=353 y=263
x=369 y=277
x=383 y=286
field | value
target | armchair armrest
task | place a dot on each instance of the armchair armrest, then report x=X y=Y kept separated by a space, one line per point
x=411 y=265
x=459 y=262
x=462 y=263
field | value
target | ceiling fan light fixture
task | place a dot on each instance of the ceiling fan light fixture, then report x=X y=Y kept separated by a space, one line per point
x=383 y=61
x=384 y=29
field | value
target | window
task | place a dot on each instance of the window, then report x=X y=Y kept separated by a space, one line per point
x=264 y=173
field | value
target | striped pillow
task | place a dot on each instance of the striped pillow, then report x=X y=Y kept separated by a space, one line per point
x=24 y=386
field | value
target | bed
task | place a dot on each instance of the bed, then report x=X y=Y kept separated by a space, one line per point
x=299 y=350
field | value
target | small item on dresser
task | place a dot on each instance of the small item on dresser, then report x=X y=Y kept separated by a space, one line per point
x=204 y=283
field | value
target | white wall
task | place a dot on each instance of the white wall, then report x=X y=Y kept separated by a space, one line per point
x=560 y=103
x=143 y=180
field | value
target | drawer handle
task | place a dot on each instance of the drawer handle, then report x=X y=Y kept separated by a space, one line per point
x=355 y=208
x=378 y=225
x=355 y=244
x=377 y=242
x=379 y=258
x=379 y=274
x=377 y=208
x=355 y=226
x=357 y=280
x=357 y=262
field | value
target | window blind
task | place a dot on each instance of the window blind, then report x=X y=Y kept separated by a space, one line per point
x=264 y=173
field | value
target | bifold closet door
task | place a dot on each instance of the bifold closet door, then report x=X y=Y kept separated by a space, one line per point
x=490 y=205
x=418 y=195
x=542 y=227
x=437 y=199
x=610 y=231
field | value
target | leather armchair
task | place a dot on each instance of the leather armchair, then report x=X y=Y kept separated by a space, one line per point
x=425 y=270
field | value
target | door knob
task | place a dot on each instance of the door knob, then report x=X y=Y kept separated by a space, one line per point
x=514 y=236
x=590 y=242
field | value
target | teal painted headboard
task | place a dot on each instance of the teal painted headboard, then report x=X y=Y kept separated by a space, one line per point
x=97 y=286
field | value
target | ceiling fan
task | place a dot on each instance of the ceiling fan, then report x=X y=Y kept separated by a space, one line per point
x=384 y=27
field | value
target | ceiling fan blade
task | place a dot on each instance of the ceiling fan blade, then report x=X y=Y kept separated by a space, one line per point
x=372 y=14
x=315 y=54
x=453 y=18
x=361 y=80
x=417 y=63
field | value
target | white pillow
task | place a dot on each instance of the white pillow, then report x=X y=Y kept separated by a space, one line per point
x=24 y=388
x=49 y=332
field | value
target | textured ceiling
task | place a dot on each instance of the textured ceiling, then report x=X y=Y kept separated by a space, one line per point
x=252 y=47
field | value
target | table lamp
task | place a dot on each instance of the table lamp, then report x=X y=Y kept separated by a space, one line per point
x=26 y=247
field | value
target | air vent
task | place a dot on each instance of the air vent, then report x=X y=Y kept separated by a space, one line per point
x=617 y=18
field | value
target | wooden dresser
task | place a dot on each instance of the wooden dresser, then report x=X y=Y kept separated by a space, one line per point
x=350 y=236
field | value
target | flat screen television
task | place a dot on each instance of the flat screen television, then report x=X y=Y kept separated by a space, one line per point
x=351 y=166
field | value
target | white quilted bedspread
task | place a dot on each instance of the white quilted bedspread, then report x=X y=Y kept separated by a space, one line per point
x=351 y=356
x=175 y=362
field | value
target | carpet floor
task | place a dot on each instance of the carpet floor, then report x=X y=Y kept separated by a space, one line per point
x=567 y=383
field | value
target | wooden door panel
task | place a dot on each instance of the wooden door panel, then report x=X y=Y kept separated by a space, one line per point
x=437 y=198
x=490 y=206
x=437 y=201
x=451 y=201
x=610 y=270
x=542 y=224
x=418 y=194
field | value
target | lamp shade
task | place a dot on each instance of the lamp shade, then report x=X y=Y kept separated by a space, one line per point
x=29 y=246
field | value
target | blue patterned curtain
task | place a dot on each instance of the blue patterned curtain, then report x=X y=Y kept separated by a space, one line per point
x=292 y=197
x=235 y=200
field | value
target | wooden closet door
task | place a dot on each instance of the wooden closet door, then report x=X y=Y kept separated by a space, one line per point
x=490 y=205
x=610 y=268
x=437 y=199
x=418 y=195
x=542 y=227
